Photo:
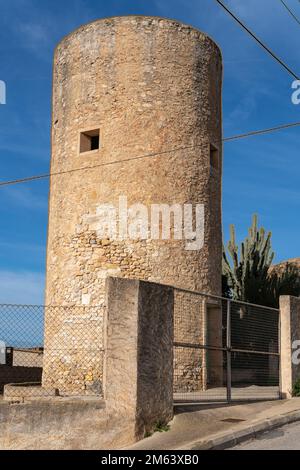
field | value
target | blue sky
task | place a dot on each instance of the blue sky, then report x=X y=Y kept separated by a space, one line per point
x=261 y=174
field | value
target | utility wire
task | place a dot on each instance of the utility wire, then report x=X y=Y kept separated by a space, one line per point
x=261 y=132
x=266 y=48
x=290 y=11
x=149 y=155
x=227 y=139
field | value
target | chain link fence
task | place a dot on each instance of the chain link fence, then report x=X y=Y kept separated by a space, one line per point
x=56 y=347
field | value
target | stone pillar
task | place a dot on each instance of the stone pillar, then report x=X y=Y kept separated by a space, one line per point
x=138 y=371
x=289 y=334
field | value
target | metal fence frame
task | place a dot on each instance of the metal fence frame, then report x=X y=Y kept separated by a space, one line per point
x=228 y=349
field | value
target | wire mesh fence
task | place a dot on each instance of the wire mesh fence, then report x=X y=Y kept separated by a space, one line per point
x=56 y=347
x=224 y=350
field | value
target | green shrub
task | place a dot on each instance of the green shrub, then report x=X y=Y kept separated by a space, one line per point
x=296 y=389
x=158 y=427
x=161 y=427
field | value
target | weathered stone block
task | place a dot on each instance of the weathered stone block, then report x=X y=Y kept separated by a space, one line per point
x=138 y=376
x=289 y=344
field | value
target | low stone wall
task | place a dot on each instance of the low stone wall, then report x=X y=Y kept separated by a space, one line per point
x=22 y=365
x=9 y=374
x=27 y=358
x=59 y=424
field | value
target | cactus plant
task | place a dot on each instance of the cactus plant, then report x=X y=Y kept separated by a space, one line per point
x=248 y=276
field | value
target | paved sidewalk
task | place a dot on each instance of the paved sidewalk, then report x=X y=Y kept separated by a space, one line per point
x=221 y=426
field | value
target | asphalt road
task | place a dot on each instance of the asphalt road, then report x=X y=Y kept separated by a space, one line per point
x=285 y=438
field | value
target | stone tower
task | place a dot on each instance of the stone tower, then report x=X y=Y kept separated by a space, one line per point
x=128 y=87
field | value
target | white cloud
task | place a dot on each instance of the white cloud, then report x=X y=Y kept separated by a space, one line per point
x=35 y=37
x=22 y=287
x=247 y=104
x=34 y=33
x=25 y=197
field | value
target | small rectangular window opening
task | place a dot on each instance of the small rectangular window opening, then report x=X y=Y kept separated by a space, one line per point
x=214 y=157
x=90 y=140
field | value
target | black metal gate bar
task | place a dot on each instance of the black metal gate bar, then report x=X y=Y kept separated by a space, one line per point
x=228 y=348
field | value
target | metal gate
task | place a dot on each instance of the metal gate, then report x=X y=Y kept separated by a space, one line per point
x=224 y=350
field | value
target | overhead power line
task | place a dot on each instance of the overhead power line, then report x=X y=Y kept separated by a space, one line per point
x=264 y=46
x=290 y=11
x=262 y=131
x=148 y=155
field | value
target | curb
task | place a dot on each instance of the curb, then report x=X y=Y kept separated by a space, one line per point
x=227 y=439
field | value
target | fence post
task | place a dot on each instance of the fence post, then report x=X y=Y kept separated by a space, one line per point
x=289 y=344
x=228 y=351
x=138 y=379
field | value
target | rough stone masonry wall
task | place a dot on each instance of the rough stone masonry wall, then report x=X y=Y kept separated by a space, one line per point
x=149 y=84
x=74 y=350
x=189 y=328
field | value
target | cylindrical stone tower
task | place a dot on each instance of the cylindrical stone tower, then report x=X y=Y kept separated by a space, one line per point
x=136 y=107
